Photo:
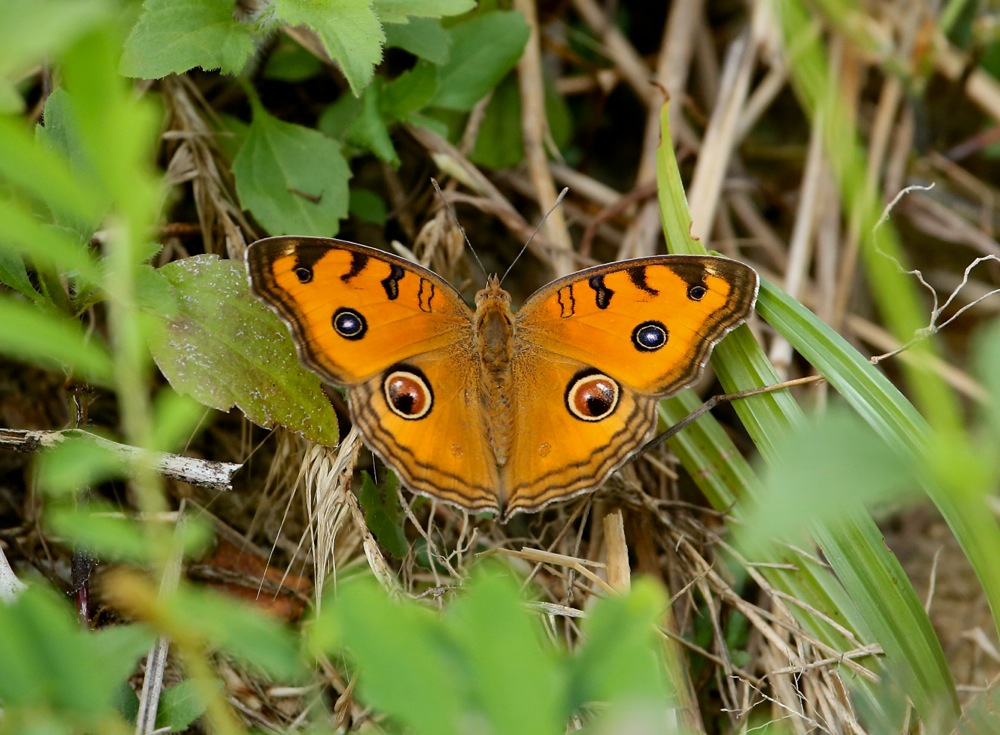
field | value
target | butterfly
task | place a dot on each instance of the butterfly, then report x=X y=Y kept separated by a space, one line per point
x=494 y=409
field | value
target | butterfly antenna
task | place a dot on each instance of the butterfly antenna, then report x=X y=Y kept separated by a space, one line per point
x=562 y=195
x=454 y=217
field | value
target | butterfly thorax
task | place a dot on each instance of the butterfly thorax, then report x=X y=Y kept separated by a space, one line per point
x=494 y=343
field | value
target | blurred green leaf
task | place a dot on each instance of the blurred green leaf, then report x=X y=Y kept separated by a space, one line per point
x=383 y=516
x=244 y=632
x=405 y=664
x=293 y=179
x=813 y=481
x=173 y=36
x=348 y=29
x=103 y=108
x=34 y=335
x=105 y=531
x=77 y=463
x=33 y=31
x=508 y=657
x=225 y=348
x=52 y=663
x=620 y=659
x=483 y=51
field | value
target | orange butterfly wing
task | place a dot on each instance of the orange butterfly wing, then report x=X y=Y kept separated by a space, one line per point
x=648 y=326
x=358 y=315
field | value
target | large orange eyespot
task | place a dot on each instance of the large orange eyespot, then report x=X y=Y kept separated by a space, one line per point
x=408 y=394
x=592 y=396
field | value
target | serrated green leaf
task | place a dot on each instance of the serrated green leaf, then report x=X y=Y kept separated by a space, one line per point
x=349 y=30
x=483 y=51
x=422 y=37
x=31 y=334
x=225 y=349
x=383 y=516
x=397 y=11
x=173 y=36
x=293 y=179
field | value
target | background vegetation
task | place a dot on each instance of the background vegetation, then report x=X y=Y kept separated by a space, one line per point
x=819 y=559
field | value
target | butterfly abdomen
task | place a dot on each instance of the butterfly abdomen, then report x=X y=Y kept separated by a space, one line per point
x=494 y=329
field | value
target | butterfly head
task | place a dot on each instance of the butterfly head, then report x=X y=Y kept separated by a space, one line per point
x=493 y=297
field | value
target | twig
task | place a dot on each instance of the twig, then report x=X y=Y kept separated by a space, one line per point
x=201 y=472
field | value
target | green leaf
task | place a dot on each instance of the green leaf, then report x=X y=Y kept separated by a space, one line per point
x=410 y=92
x=383 y=516
x=225 y=348
x=290 y=62
x=173 y=36
x=368 y=131
x=499 y=142
x=33 y=335
x=483 y=51
x=293 y=179
x=14 y=274
x=180 y=705
x=368 y=206
x=397 y=11
x=348 y=29
x=422 y=37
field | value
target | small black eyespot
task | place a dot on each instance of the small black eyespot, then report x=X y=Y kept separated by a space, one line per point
x=349 y=324
x=304 y=273
x=697 y=292
x=649 y=336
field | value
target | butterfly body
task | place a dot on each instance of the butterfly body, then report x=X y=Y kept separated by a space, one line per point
x=496 y=409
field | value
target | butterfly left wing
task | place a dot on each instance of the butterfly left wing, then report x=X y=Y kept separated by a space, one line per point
x=602 y=346
x=400 y=338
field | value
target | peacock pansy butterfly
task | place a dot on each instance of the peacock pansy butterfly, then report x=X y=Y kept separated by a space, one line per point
x=493 y=409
